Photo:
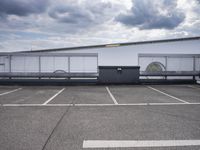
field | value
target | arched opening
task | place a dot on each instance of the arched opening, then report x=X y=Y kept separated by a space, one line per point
x=155 y=67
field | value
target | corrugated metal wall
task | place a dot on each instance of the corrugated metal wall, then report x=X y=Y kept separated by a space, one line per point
x=128 y=55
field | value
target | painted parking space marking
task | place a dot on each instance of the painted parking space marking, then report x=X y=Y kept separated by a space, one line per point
x=137 y=143
x=50 y=99
x=5 y=93
x=167 y=94
x=22 y=105
x=96 y=105
x=111 y=95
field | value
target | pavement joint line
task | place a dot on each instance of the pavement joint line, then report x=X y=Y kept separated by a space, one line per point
x=50 y=99
x=111 y=95
x=54 y=129
x=138 y=143
x=167 y=94
x=95 y=105
x=5 y=93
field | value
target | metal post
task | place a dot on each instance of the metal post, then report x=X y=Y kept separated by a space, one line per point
x=39 y=66
x=10 y=69
x=194 y=66
x=194 y=63
x=9 y=63
x=97 y=64
x=166 y=65
x=69 y=65
x=98 y=67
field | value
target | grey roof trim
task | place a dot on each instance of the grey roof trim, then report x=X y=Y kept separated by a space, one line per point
x=118 y=44
x=168 y=55
x=51 y=54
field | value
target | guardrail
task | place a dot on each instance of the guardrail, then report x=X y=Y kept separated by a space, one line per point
x=48 y=75
x=170 y=73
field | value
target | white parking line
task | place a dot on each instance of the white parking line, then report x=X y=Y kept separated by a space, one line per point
x=53 y=96
x=97 y=105
x=111 y=95
x=10 y=91
x=167 y=94
x=21 y=105
x=134 y=144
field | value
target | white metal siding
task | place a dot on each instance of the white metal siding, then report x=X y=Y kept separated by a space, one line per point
x=61 y=63
x=83 y=64
x=17 y=64
x=180 y=64
x=47 y=64
x=52 y=64
x=31 y=64
x=24 y=64
x=4 y=64
x=197 y=64
x=128 y=55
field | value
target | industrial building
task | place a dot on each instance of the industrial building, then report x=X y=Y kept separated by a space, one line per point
x=109 y=63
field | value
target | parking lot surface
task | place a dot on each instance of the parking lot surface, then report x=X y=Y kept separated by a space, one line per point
x=139 y=94
x=125 y=117
x=82 y=95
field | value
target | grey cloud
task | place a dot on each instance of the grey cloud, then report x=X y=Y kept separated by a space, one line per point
x=70 y=14
x=86 y=14
x=157 y=14
x=1 y=46
x=22 y=7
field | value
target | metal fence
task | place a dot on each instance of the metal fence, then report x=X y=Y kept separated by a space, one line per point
x=43 y=65
x=169 y=65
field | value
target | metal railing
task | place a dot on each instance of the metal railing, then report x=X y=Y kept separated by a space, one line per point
x=56 y=73
x=170 y=73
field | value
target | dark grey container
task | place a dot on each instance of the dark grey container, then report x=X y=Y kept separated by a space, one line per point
x=119 y=74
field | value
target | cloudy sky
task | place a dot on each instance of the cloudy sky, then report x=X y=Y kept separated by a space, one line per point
x=42 y=24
